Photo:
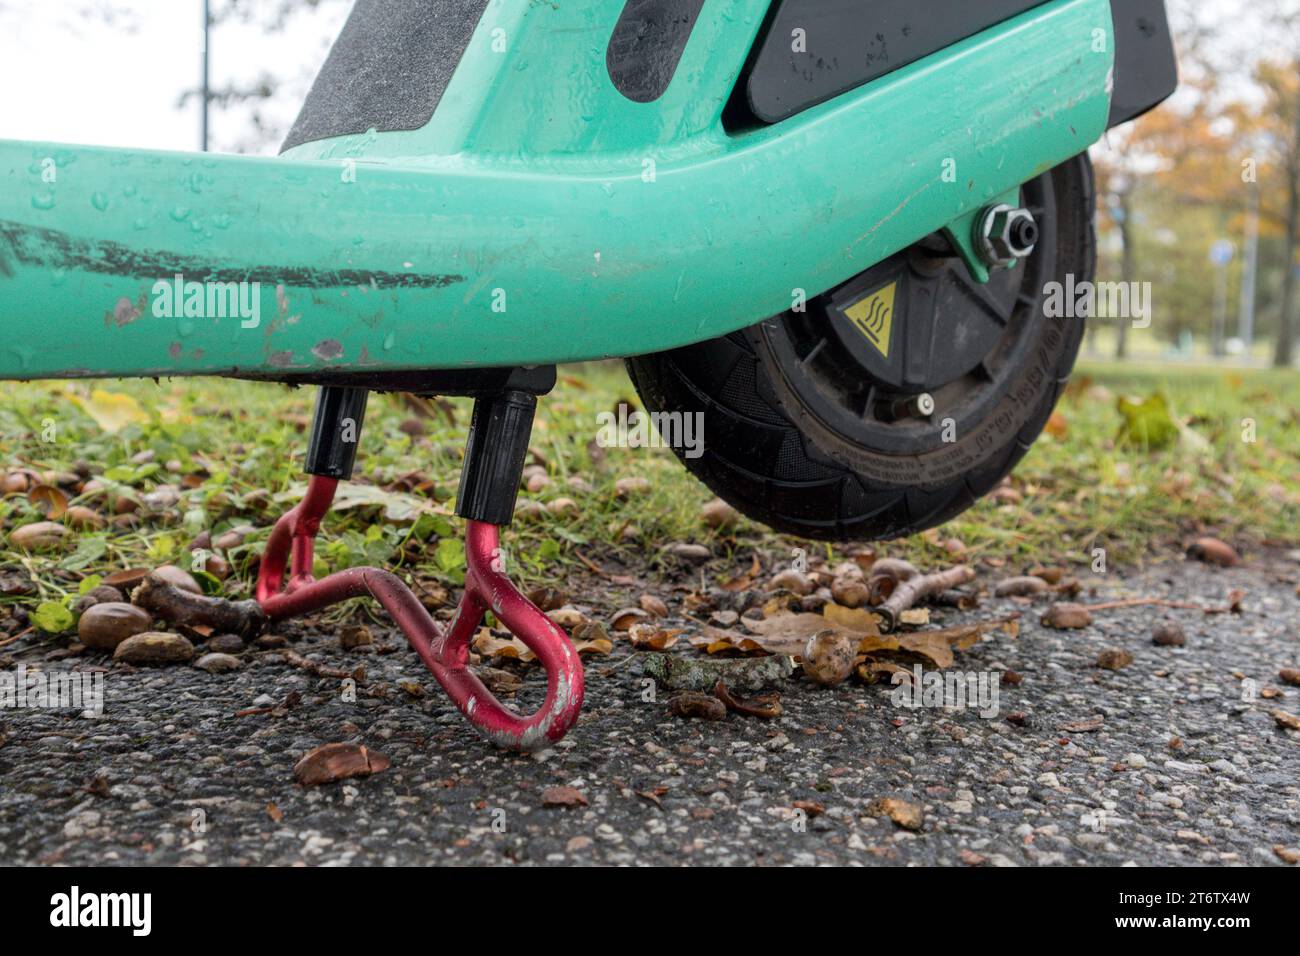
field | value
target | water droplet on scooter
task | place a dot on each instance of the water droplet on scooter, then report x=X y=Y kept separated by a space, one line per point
x=180 y=213
x=43 y=201
x=389 y=341
x=99 y=201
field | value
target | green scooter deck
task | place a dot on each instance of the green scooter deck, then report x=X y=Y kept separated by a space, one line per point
x=540 y=217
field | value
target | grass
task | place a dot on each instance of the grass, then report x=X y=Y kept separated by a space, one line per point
x=233 y=451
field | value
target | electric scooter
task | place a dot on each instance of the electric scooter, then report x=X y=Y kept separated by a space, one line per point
x=824 y=226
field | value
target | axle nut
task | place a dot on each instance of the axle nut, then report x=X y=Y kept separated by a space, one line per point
x=1006 y=235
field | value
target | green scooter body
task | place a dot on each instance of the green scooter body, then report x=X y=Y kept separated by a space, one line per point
x=540 y=217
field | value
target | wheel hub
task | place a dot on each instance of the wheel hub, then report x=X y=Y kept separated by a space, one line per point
x=918 y=322
x=892 y=357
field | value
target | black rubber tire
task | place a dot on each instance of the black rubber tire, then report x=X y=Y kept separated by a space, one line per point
x=768 y=456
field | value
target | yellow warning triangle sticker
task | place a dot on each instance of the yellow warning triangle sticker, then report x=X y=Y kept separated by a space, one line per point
x=874 y=317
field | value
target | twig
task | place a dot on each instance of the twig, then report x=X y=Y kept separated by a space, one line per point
x=323 y=670
x=19 y=636
x=1232 y=607
x=178 y=606
x=592 y=564
x=908 y=592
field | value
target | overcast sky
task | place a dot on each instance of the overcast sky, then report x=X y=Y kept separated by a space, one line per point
x=73 y=79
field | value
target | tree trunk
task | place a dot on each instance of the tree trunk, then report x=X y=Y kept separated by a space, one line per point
x=1284 y=354
x=1127 y=268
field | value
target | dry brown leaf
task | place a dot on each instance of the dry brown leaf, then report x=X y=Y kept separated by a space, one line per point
x=746 y=580
x=563 y=797
x=487 y=644
x=767 y=705
x=334 y=762
x=649 y=637
x=858 y=620
x=697 y=704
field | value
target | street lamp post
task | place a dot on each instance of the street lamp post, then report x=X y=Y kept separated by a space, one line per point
x=204 y=92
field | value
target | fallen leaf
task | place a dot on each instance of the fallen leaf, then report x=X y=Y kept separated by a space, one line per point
x=1148 y=422
x=648 y=637
x=111 y=411
x=624 y=619
x=563 y=797
x=333 y=762
x=761 y=705
x=397 y=507
x=274 y=812
x=590 y=638
x=858 y=620
x=696 y=704
x=1057 y=426
x=487 y=644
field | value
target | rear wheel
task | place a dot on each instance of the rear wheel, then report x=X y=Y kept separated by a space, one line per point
x=894 y=402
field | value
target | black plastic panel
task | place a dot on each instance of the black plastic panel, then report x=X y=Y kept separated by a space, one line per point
x=388 y=69
x=647 y=45
x=847 y=43
x=1146 y=67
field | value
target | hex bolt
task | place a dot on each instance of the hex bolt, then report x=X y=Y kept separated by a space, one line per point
x=1004 y=235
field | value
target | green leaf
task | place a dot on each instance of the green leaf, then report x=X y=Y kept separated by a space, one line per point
x=210 y=583
x=89 y=583
x=53 y=618
x=449 y=555
x=89 y=550
x=1147 y=422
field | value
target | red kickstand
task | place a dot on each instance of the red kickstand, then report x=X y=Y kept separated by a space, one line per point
x=445 y=653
